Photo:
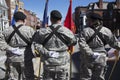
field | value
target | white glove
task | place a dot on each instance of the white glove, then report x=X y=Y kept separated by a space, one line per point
x=95 y=55
x=53 y=54
x=16 y=51
x=111 y=52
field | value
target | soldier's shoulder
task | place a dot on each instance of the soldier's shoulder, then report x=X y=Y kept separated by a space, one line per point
x=105 y=29
x=87 y=29
x=44 y=30
x=7 y=30
x=65 y=29
x=28 y=28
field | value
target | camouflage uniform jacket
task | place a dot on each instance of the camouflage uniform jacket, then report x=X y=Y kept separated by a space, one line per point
x=16 y=41
x=54 y=44
x=96 y=45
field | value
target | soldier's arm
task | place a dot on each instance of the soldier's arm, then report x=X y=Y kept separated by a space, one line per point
x=69 y=37
x=84 y=47
x=37 y=45
x=3 y=45
x=113 y=42
x=110 y=38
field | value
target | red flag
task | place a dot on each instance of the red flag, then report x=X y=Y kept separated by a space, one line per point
x=68 y=20
x=69 y=23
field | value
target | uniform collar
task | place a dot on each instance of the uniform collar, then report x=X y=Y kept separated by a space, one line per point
x=55 y=25
x=18 y=23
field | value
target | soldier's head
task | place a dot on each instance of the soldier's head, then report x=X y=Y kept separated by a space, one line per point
x=38 y=25
x=55 y=16
x=93 y=19
x=19 y=16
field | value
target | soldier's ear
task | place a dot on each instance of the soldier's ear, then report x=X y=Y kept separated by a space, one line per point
x=98 y=22
x=24 y=20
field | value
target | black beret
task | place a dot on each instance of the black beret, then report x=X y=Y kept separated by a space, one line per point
x=19 y=16
x=94 y=16
x=56 y=14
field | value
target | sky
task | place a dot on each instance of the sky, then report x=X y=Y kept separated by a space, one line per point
x=38 y=6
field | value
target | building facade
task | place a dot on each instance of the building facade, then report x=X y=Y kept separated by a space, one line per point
x=4 y=22
x=110 y=11
x=12 y=5
x=31 y=16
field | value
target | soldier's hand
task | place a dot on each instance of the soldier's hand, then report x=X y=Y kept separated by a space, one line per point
x=53 y=54
x=15 y=51
x=95 y=55
x=116 y=53
x=2 y=48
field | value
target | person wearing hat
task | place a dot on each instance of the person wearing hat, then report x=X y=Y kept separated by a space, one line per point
x=19 y=38
x=52 y=44
x=92 y=41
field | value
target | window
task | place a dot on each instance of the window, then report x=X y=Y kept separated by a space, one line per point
x=13 y=2
x=0 y=13
x=1 y=1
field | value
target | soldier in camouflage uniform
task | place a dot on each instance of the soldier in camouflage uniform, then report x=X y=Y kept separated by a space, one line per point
x=53 y=50
x=3 y=45
x=93 y=53
x=15 y=56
